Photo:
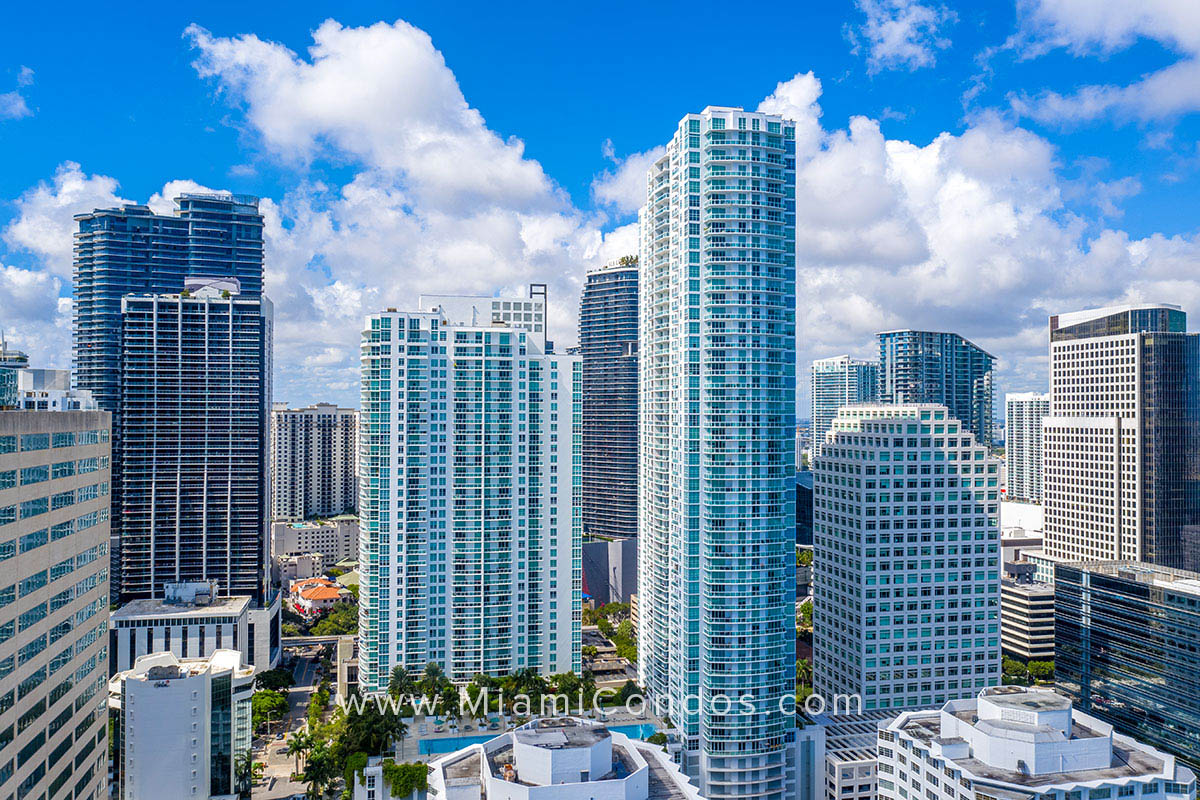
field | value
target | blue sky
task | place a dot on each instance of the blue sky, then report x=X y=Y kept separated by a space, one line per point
x=969 y=166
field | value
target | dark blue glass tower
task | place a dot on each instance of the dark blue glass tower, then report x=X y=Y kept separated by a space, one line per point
x=1127 y=650
x=608 y=341
x=132 y=250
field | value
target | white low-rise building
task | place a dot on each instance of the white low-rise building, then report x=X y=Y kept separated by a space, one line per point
x=194 y=621
x=1016 y=743
x=335 y=538
x=179 y=726
x=562 y=758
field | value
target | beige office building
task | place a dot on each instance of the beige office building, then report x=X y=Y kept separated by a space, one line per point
x=54 y=527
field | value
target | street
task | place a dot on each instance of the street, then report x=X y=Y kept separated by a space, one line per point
x=272 y=751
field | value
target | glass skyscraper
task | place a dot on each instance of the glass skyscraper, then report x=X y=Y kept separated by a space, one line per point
x=836 y=382
x=608 y=341
x=716 y=560
x=196 y=399
x=906 y=559
x=934 y=367
x=1127 y=650
x=469 y=442
x=1121 y=446
x=132 y=250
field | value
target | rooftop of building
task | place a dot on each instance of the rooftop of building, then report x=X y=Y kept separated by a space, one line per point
x=852 y=737
x=1140 y=572
x=167 y=666
x=500 y=759
x=1024 y=733
x=556 y=733
x=1070 y=318
x=158 y=607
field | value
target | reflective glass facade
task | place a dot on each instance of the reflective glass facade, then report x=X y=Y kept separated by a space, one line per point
x=1127 y=650
x=932 y=367
x=133 y=250
x=196 y=398
x=716 y=515
x=608 y=340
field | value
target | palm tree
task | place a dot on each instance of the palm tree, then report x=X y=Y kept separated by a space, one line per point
x=319 y=770
x=401 y=684
x=431 y=680
x=298 y=745
x=243 y=772
x=803 y=671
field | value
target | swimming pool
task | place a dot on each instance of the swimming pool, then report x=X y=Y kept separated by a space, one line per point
x=643 y=730
x=450 y=744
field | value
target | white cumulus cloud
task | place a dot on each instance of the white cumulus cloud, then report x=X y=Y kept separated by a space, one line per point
x=900 y=34
x=1102 y=27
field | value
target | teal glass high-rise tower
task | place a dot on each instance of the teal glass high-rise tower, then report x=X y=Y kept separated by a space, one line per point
x=716 y=501
x=469 y=537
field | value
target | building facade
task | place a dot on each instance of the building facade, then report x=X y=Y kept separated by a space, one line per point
x=906 y=559
x=1023 y=413
x=336 y=539
x=1026 y=614
x=1122 y=442
x=194 y=621
x=1020 y=744
x=54 y=525
x=1127 y=641
x=313 y=461
x=837 y=382
x=470 y=547
x=934 y=367
x=132 y=250
x=608 y=344
x=195 y=395
x=179 y=726
x=716 y=471
x=562 y=757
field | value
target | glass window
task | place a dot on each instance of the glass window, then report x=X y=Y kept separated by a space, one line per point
x=8 y=479
x=35 y=441
x=31 y=541
x=64 y=439
x=36 y=474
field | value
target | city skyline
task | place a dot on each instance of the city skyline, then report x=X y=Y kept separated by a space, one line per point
x=1000 y=166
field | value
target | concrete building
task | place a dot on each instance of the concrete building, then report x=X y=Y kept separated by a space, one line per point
x=716 y=468
x=563 y=758
x=54 y=597
x=50 y=390
x=314 y=453
x=336 y=539
x=1122 y=442
x=608 y=345
x=195 y=396
x=1023 y=413
x=1127 y=649
x=945 y=368
x=179 y=726
x=1013 y=743
x=132 y=250
x=194 y=621
x=610 y=569
x=470 y=550
x=906 y=559
x=1026 y=614
x=850 y=754
x=836 y=382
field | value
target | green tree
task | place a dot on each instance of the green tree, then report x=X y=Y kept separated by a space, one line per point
x=267 y=705
x=244 y=773
x=1041 y=670
x=401 y=683
x=299 y=744
x=275 y=679
x=804 y=558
